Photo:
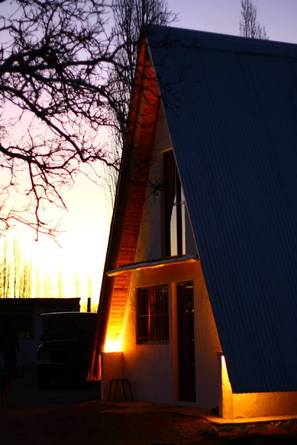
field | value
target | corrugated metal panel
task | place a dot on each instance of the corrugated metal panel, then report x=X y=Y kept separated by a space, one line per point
x=231 y=107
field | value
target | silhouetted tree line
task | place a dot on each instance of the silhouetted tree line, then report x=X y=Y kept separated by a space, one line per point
x=21 y=277
x=15 y=273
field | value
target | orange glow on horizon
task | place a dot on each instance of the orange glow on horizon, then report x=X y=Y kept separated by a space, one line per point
x=72 y=266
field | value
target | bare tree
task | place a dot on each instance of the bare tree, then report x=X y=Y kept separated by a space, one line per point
x=55 y=97
x=129 y=17
x=249 y=26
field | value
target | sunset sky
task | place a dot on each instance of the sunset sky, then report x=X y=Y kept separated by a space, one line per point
x=86 y=224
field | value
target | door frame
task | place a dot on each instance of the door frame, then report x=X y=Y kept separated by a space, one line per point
x=179 y=344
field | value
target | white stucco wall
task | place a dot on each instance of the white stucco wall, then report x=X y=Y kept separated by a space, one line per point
x=147 y=366
x=150 y=237
x=112 y=368
x=153 y=369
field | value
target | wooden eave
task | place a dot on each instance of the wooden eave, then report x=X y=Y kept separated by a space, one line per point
x=129 y=201
x=153 y=264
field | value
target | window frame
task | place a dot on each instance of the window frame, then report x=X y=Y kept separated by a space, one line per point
x=152 y=325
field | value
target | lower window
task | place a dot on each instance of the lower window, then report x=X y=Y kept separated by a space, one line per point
x=152 y=324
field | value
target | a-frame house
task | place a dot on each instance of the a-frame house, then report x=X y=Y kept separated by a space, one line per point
x=199 y=295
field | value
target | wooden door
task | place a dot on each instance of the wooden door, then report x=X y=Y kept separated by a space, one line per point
x=186 y=341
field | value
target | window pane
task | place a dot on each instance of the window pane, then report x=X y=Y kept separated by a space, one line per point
x=152 y=325
x=142 y=316
x=142 y=302
x=169 y=174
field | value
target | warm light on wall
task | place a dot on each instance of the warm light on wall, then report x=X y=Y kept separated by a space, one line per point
x=225 y=377
x=113 y=345
x=115 y=336
x=246 y=405
x=226 y=405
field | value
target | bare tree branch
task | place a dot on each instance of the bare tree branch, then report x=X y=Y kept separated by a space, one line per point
x=56 y=99
x=129 y=17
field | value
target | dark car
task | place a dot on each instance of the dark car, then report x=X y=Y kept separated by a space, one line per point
x=64 y=355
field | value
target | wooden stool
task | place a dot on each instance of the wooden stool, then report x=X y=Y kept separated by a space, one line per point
x=120 y=389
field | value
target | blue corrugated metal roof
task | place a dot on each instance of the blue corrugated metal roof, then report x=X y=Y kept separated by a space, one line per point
x=231 y=108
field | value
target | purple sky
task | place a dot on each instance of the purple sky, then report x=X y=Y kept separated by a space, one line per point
x=278 y=16
x=87 y=224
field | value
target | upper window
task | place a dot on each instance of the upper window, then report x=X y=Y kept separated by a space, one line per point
x=152 y=324
x=174 y=208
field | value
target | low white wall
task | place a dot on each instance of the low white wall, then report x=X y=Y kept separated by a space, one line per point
x=112 y=368
x=149 y=371
x=253 y=404
x=265 y=404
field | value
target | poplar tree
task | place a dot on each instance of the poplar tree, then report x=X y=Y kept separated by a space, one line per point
x=249 y=26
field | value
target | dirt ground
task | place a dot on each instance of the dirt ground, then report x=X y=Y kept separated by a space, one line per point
x=76 y=416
